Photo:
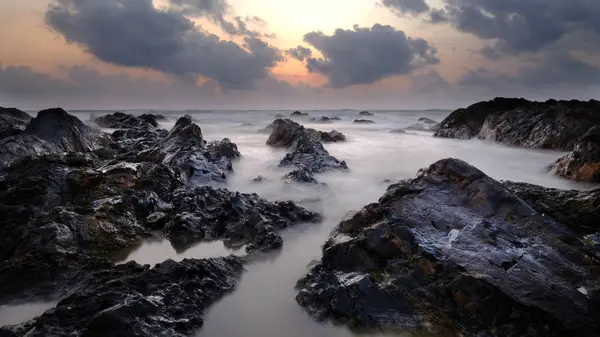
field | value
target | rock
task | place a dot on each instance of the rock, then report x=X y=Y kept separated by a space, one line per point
x=304 y=149
x=424 y=124
x=583 y=164
x=267 y=129
x=363 y=121
x=208 y=214
x=131 y=142
x=119 y=120
x=12 y=122
x=397 y=131
x=455 y=249
x=324 y=119
x=578 y=210
x=365 y=113
x=298 y=114
x=327 y=137
x=133 y=300
x=300 y=176
x=259 y=179
x=185 y=150
x=550 y=125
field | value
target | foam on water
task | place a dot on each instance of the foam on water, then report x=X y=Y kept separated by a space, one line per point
x=264 y=304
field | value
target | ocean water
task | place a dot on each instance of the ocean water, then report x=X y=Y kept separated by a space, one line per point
x=263 y=303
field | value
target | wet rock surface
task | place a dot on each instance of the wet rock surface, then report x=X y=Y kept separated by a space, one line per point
x=363 y=121
x=455 y=249
x=207 y=214
x=169 y=299
x=578 y=210
x=120 y=120
x=583 y=163
x=550 y=125
x=12 y=121
x=304 y=149
x=300 y=176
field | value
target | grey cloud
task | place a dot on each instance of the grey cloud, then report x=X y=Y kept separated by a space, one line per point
x=406 y=6
x=19 y=80
x=367 y=55
x=300 y=53
x=521 y=26
x=134 y=33
x=214 y=8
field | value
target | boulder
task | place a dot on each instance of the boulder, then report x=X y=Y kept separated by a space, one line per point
x=363 y=121
x=583 y=163
x=299 y=114
x=208 y=214
x=300 y=176
x=424 y=124
x=12 y=122
x=304 y=149
x=132 y=300
x=184 y=149
x=365 y=113
x=550 y=125
x=333 y=136
x=578 y=210
x=453 y=250
x=120 y=120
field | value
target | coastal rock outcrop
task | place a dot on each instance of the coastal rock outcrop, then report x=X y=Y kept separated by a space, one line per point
x=325 y=119
x=365 y=114
x=424 y=124
x=132 y=300
x=454 y=250
x=583 y=163
x=578 y=210
x=12 y=121
x=550 y=125
x=304 y=149
x=363 y=121
x=185 y=149
x=300 y=176
x=207 y=214
x=299 y=114
x=120 y=120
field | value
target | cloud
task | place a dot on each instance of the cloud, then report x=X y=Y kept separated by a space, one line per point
x=517 y=26
x=134 y=33
x=300 y=53
x=402 y=7
x=367 y=55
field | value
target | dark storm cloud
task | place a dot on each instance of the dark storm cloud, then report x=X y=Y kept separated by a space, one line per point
x=299 y=53
x=134 y=33
x=519 y=26
x=406 y=6
x=367 y=55
x=215 y=8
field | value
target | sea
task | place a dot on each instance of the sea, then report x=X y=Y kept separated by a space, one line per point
x=377 y=155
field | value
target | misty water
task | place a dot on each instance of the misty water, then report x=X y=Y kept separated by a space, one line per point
x=263 y=303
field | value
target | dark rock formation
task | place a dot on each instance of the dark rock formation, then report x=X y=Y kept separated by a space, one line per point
x=208 y=214
x=12 y=121
x=185 y=149
x=324 y=119
x=259 y=179
x=133 y=300
x=424 y=124
x=397 y=131
x=300 y=176
x=305 y=150
x=365 y=113
x=583 y=163
x=299 y=114
x=549 y=125
x=455 y=249
x=333 y=136
x=119 y=120
x=363 y=121
x=129 y=143
x=578 y=210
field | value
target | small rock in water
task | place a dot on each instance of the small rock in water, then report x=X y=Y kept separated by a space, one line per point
x=299 y=114
x=365 y=113
x=363 y=121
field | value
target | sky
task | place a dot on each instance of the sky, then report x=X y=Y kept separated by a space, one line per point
x=285 y=54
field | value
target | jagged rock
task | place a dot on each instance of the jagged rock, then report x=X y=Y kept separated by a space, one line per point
x=455 y=249
x=133 y=300
x=185 y=149
x=298 y=114
x=365 y=113
x=549 y=125
x=333 y=136
x=300 y=176
x=363 y=121
x=131 y=142
x=305 y=150
x=207 y=214
x=12 y=121
x=578 y=210
x=119 y=120
x=324 y=119
x=424 y=124
x=583 y=163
